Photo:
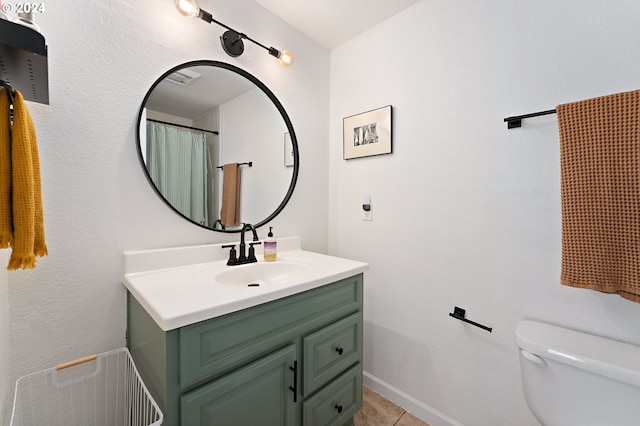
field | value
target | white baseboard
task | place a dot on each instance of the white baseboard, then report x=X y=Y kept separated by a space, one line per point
x=409 y=403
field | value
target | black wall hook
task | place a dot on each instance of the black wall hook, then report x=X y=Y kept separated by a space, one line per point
x=9 y=90
x=458 y=313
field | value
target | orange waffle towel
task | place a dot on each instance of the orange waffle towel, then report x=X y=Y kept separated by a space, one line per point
x=600 y=189
x=230 y=210
x=26 y=216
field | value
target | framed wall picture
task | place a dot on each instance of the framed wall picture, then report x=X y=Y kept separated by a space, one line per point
x=288 y=150
x=367 y=134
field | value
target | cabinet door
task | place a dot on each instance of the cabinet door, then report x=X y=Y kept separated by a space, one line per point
x=256 y=394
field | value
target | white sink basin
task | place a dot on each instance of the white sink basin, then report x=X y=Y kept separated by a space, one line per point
x=257 y=274
x=184 y=285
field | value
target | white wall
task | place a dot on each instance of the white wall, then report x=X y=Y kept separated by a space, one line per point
x=103 y=56
x=4 y=334
x=264 y=185
x=465 y=212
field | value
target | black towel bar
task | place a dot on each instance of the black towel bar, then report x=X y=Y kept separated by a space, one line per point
x=516 y=120
x=250 y=164
x=458 y=313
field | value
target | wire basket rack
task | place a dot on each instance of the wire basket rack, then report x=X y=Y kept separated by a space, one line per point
x=97 y=390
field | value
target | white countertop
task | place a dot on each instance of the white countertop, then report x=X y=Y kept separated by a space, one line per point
x=176 y=285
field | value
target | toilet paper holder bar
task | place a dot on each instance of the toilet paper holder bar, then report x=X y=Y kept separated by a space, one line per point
x=459 y=313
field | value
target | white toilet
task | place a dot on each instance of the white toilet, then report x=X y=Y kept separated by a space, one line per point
x=576 y=379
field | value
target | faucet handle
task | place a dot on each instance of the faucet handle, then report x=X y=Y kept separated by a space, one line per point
x=252 y=252
x=232 y=254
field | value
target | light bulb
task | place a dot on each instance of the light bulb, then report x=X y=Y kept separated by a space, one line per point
x=187 y=8
x=286 y=58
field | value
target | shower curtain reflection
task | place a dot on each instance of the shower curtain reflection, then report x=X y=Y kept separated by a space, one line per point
x=178 y=163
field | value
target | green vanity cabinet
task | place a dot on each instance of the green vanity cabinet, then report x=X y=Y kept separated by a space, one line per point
x=293 y=361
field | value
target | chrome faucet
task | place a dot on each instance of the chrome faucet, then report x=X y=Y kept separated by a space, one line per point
x=242 y=255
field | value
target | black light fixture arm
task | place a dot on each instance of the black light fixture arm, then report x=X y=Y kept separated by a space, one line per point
x=232 y=40
x=208 y=17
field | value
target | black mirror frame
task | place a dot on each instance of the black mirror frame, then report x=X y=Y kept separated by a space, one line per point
x=276 y=102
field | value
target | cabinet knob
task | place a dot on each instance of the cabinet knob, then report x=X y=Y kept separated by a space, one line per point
x=338 y=408
x=339 y=350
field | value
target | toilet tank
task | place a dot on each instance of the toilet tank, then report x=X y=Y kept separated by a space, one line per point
x=572 y=378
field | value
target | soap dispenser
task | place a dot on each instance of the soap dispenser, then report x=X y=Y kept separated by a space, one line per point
x=270 y=247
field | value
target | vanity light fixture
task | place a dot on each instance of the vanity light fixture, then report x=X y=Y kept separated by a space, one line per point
x=232 y=40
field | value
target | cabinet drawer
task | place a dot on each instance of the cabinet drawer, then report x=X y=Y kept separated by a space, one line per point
x=211 y=348
x=330 y=351
x=337 y=402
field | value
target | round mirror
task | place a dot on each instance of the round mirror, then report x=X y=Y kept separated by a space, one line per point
x=217 y=146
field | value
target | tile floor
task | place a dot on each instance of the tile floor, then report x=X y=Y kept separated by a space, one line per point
x=379 y=411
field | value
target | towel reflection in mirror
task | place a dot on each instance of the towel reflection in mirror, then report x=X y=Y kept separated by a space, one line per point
x=230 y=210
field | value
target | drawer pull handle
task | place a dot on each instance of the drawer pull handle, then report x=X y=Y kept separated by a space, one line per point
x=339 y=350
x=338 y=408
x=294 y=388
